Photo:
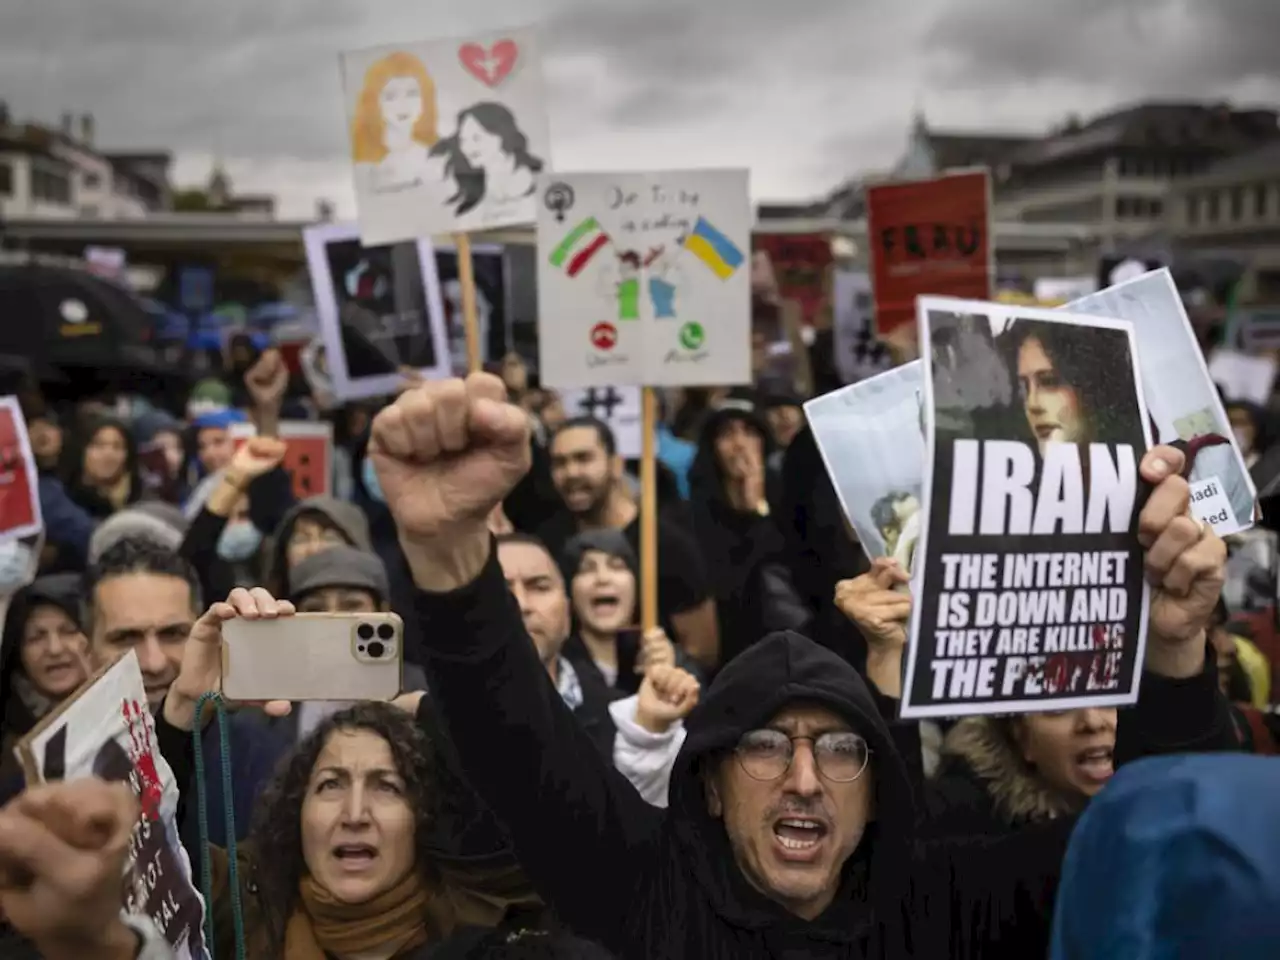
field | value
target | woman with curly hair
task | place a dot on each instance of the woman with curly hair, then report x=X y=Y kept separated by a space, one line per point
x=367 y=843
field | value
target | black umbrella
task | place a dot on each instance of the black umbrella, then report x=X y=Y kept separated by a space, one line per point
x=88 y=329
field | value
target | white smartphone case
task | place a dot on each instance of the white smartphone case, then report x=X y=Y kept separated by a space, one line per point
x=313 y=656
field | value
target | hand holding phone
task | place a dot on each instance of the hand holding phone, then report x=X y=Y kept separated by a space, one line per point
x=313 y=656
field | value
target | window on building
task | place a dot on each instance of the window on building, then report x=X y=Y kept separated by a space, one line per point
x=92 y=181
x=1214 y=204
x=6 y=180
x=1260 y=192
x=1193 y=209
x=50 y=181
x=1237 y=203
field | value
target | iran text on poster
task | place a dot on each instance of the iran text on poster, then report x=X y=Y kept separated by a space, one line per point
x=1186 y=411
x=379 y=310
x=447 y=136
x=872 y=439
x=644 y=279
x=106 y=731
x=1029 y=583
x=929 y=236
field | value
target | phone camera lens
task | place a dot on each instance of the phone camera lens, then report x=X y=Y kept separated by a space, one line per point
x=376 y=650
x=365 y=631
x=386 y=631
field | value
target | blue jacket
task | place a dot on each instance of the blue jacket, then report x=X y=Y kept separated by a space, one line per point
x=66 y=523
x=1178 y=858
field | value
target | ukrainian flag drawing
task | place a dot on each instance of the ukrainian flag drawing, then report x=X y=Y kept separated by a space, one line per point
x=579 y=246
x=713 y=248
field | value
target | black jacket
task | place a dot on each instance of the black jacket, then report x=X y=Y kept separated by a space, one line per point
x=648 y=883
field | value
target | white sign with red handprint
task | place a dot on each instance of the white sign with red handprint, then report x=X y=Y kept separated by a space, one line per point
x=106 y=731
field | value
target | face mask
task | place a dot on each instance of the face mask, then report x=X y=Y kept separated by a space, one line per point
x=15 y=566
x=371 y=484
x=238 y=542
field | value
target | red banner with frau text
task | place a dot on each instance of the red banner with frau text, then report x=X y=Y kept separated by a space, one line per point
x=928 y=237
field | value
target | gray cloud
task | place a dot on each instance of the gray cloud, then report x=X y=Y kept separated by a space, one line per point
x=807 y=92
x=1144 y=47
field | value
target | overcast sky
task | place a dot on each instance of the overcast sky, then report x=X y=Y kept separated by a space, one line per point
x=804 y=92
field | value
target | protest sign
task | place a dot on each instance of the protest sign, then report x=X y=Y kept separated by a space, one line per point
x=19 y=480
x=928 y=236
x=1185 y=409
x=858 y=353
x=308 y=457
x=799 y=264
x=619 y=407
x=379 y=310
x=1029 y=589
x=447 y=136
x=105 y=730
x=490 y=272
x=872 y=439
x=643 y=278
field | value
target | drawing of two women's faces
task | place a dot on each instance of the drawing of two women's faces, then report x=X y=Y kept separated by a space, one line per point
x=485 y=162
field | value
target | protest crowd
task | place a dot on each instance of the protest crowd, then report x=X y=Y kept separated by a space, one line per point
x=1018 y=707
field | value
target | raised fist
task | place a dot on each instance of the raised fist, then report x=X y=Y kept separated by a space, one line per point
x=446 y=453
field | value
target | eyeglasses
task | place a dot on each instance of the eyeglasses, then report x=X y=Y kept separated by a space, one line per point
x=841 y=756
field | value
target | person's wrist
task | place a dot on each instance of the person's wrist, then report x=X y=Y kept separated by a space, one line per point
x=1177 y=658
x=449 y=560
x=236 y=480
x=178 y=710
x=648 y=721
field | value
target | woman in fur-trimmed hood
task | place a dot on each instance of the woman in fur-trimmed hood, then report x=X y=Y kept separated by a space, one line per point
x=999 y=773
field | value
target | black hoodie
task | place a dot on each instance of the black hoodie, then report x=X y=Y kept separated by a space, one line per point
x=648 y=883
x=745 y=551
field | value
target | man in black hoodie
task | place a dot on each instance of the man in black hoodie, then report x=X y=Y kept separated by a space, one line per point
x=788 y=832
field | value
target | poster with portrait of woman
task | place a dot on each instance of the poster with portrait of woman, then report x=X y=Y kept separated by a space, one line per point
x=871 y=437
x=1028 y=582
x=379 y=311
x=1186 y=410
x=447 y=136
x=489 y=269
x=106 y=731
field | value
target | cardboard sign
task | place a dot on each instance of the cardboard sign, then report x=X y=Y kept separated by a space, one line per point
x=19 y=483
x=309 y=459
x=929 y=237
x=105 y=730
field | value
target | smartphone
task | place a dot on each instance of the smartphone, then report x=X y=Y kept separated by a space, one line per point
x=313 y=656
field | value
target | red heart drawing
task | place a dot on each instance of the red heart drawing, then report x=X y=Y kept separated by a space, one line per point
x=490 y=66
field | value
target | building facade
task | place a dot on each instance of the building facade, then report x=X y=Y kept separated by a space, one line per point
x=48 y=173
x=1232 y=210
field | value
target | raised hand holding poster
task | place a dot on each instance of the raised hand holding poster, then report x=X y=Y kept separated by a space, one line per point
x=1185 y=408
x=644 y=279
x=1029 y=588
x=106 y=731
x=447 y=136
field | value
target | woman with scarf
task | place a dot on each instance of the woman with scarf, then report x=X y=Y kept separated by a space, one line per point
x=43 y=660
x=367 y=844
